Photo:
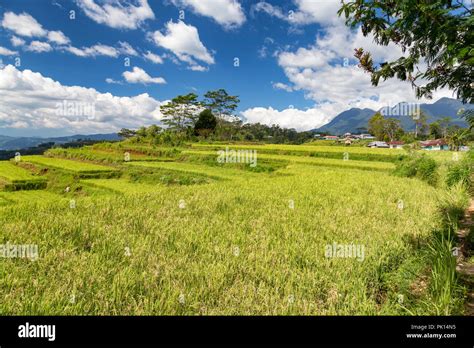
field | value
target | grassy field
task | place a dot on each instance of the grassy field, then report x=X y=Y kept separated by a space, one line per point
x=13 y=177
x=67 y=165
x=192 y=237
x=89 y=153
x=13 y=172
x=31 y=197
x=336 y=152
x=325 y=162
x=304 y=148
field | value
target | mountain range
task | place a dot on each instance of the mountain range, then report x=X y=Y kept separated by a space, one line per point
x=18 y=143
x=353 y=120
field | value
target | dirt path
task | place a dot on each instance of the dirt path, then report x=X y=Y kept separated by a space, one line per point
x=465 y=269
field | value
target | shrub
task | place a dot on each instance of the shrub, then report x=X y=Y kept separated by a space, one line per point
x=452 y=204
x=444 y=286
x=462 y=171
x=419 y=166
x=459 y=173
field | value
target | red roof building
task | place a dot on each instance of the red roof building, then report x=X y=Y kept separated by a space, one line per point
x=436 y=142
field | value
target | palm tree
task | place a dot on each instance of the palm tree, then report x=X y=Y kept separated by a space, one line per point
x=457 y=139
x=469 y=116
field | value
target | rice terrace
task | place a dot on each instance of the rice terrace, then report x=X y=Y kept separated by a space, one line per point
x=185 y=234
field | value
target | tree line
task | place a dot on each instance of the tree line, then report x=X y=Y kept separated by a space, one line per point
x=186 y=118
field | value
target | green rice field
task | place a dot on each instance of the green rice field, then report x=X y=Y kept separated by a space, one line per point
x=13 y=177
x=68 y=165
x=179 y=234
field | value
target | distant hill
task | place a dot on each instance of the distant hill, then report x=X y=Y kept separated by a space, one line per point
x=350 y=120
x=18 y=143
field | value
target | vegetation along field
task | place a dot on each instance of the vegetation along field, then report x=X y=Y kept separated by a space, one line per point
x=308 y=230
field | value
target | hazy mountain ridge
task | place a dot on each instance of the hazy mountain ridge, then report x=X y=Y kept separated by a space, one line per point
x=352 y=119
x=17 y=143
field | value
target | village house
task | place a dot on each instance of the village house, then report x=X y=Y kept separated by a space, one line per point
x=434 y=145
x=396 y=144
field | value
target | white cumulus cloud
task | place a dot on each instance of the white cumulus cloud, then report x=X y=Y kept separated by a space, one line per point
x=290 y=117
x=227 y=13
x=154 y=58
x=138 y=75
x=30 y=100
x=183 y=40
x=23 y=24
x=93 y=51
x=117 y=14
x=16 y=41
x=39 y=47
x=283 y=86
x=127 y=49
x=306 y=12
x=327 y=70
x=58 y=37
x=110 y=80
x=6 y=52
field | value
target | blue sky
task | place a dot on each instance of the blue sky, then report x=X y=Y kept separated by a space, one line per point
x=295 y=62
